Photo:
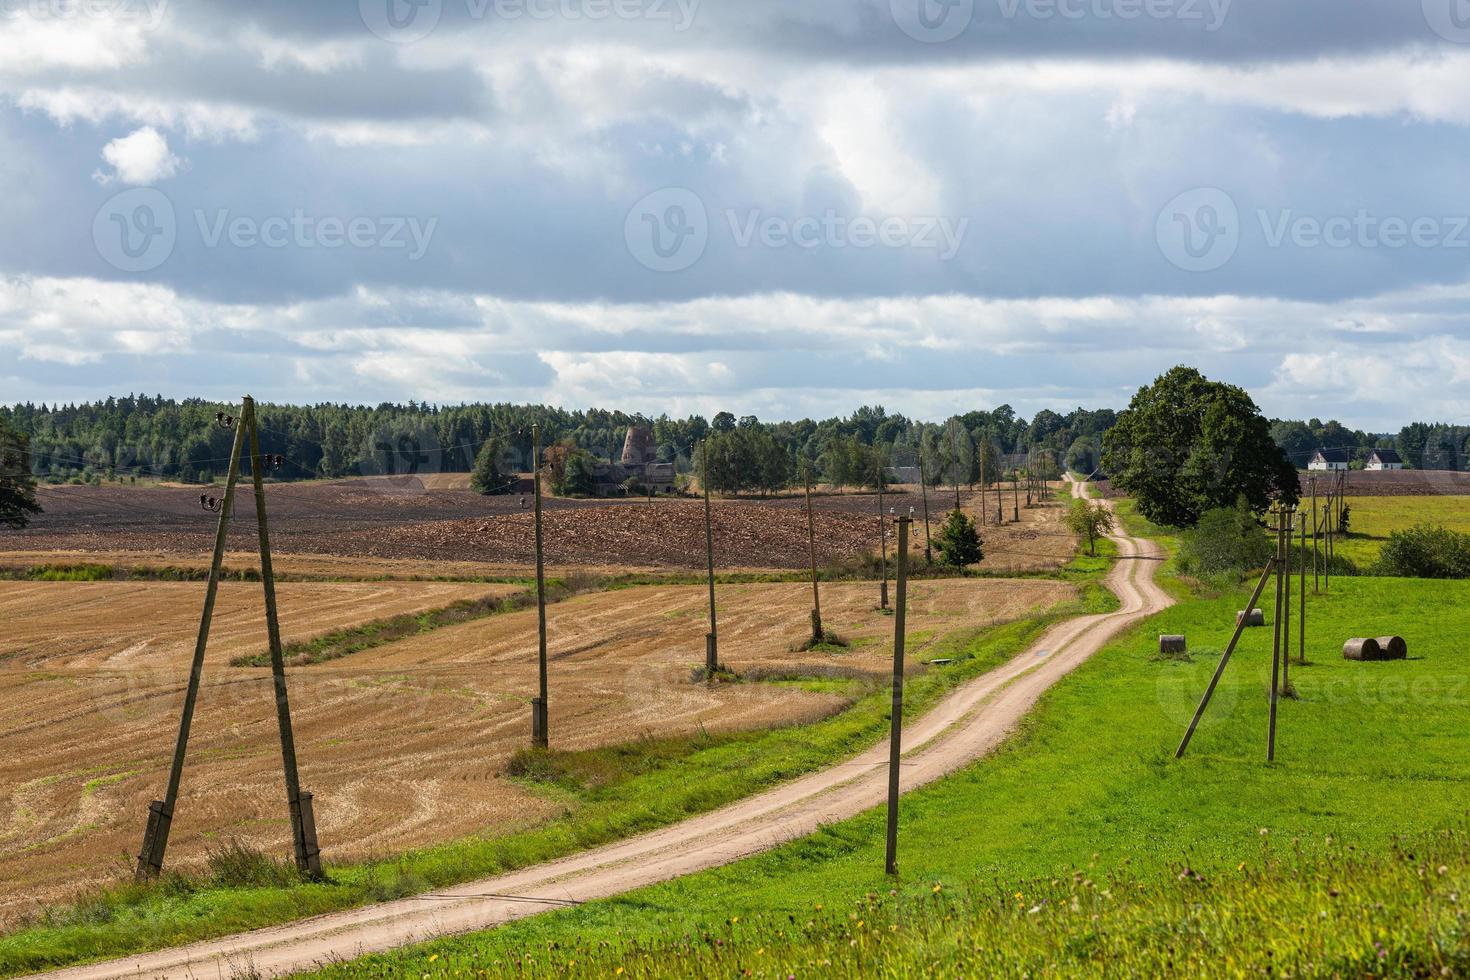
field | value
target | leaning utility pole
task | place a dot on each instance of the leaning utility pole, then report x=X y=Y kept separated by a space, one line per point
x=895 y=725
x=811 y=540
x=161 y=812
x=1240 y=627
x=711 y=640
x=540 y=714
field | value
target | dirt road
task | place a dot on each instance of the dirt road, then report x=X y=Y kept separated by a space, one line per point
x=967 y=725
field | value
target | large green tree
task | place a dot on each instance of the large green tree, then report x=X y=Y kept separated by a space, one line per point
x=17 y=487
x=1187 y=445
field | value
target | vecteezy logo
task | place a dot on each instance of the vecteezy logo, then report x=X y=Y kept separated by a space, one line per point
x=401 y=21
x=135 y=231
x=1199 y=231
x=668 y=230
x=1450 y=19
x=933 y=21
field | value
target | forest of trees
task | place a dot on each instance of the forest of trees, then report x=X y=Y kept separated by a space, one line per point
x=158 y=438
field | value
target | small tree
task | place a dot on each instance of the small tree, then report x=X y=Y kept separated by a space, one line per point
x=958 y=542
x=490 y=476
x=1092 y=520
x=577 y=476
x=1345 y=519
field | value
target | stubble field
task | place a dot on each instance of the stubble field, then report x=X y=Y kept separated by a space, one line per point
x=403 y=744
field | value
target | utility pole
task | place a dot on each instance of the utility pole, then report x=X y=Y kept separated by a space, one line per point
x=811 y=540
x=712 y=639
x=161 y=812
x=1240 y=626
x=1287 y=514
x=883 y=545
x=1015 y=496
x=924 y=489
x=540 y=714
x=895 y=729
x=1276 y=643
x=954 y=460
x=1302 y=616
x=303 y=820
x=1316 y=537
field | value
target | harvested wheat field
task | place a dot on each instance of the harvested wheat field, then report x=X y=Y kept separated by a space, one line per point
x=404 y=744
x=125 y=625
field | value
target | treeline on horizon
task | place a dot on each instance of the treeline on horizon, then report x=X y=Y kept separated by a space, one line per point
x=162 y=438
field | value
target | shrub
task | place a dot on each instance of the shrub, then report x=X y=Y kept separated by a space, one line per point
x=1227 y=541
x=1425 y=551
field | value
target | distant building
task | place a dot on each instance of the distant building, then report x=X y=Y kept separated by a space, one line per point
x=639 y=462
x=1330 y=459
x=1384 y=459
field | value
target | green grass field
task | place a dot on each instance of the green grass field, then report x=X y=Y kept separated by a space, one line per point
x=1373 y=519
x=1084 y=848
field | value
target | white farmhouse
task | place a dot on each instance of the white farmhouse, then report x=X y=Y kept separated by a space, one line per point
x=1384 y=459
x=1330 y=459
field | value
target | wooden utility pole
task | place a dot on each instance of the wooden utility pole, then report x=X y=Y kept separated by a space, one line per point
x=984 y=494
x=303 y=820
x=924 y=490
x=1301 y=619
x=882 y=546
x=1240 y=626
x=954 y=462
x=540 y=713
x=712 y=639
x=811 y=540
x=1015 y=496
x=161 y=812
x=1316 y=537
x=895 y=725
x=1287 y=514
x=1276 y=643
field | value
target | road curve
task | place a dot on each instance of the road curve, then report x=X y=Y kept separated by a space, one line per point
x=966 y=725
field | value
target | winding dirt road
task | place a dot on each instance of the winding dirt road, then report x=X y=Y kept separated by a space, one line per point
x=967 y=725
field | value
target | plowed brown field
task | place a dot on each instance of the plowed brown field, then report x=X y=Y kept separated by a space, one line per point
x=447 y=532
x=404 y=744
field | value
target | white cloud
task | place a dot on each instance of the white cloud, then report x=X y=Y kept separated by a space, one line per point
x=142 y=157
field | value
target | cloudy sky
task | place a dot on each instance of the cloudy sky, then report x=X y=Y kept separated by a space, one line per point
x=775 y=208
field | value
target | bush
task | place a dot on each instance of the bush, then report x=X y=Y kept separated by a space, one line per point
x=1228 y=541
x=1425 y=551
x=957 y=541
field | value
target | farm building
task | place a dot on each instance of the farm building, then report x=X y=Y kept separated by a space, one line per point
x=1384 y=459
x=1330 y=459
x=639 y=463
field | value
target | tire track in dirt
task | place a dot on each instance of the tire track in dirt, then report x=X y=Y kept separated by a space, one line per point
x=967 y=725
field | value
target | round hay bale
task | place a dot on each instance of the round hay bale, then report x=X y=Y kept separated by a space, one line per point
x=1257 y=617
x=1362 y=649
x=1172 y=644
x=1393 y=648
